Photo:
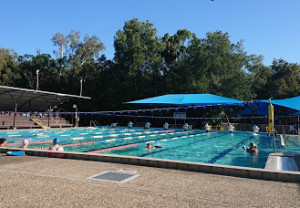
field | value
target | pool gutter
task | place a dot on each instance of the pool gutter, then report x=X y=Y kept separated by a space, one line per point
x=237 y=171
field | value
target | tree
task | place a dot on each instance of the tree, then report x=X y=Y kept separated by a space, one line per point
x=29 y=64
x=89 y=48
x=8 y=66
x=62 y=42
x=174 y=49
x=137 y=56
x=73 y=40
x=285 y=80
x=260 y=75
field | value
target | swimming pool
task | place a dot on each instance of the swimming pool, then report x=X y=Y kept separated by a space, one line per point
x=193 y=146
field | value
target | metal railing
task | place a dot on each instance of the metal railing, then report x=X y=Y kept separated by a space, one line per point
x=92 y=122
x=96 y=122
x=288 y=129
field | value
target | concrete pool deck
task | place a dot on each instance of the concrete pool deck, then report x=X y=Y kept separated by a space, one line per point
x=30 y=181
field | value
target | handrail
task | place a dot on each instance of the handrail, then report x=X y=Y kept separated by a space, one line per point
x=91 y=122
x=40 y=123
x=94 y=122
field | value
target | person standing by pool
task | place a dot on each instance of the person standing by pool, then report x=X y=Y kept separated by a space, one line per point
x=56 y=146
x=3 y=142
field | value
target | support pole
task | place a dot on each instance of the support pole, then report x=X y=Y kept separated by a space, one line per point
x=76 y=116
x=298 y=126
x=15 y=115
x=49 y=116
x=175 y=123
x=252 y=112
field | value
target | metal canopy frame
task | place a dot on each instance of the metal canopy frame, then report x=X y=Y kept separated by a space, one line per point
x=21 y=99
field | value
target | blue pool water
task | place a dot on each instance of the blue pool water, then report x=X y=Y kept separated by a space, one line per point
x=193 y=146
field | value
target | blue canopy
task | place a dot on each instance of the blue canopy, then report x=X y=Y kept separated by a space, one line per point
x=279 y=107
x=188 y=100
x=260 y=110
x=293 y=103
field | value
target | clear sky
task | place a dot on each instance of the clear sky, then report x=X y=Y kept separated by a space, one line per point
x=269 y=27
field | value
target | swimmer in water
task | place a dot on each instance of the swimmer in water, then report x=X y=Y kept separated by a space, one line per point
x=56 y=146
x=3 y=142
x=149 y=146
x=253 y=148
x=38 y=134
x=25 y=143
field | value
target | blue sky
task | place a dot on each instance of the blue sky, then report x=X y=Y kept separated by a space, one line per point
x=269 y=27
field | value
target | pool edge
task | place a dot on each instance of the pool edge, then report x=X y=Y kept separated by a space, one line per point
x=236 y=171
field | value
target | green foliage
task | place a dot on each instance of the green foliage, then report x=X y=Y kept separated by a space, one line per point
x=137 y=58
x=285 y=80
x=8 y=66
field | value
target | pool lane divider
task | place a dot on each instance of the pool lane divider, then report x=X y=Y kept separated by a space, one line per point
x=112 y=135
x=31 y=142
x=91 y=137
x=14 y=135
x=17 y=134
x=104 y=141
x=114 y=148
x=143 y=142
x=126 y=130
x=67 y=145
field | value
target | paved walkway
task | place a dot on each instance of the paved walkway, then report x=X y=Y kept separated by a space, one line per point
x=48 y=182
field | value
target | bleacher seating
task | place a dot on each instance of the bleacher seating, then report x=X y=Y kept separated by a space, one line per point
x=22 y=122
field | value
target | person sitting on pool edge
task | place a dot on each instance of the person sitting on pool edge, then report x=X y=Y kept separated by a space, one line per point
x=3 y=142
x=56 y=146
x=253 y=148
x=149 y=146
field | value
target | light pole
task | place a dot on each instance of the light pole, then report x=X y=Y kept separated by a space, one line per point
x=75 y=106
x=81 y=87
x=37 y=80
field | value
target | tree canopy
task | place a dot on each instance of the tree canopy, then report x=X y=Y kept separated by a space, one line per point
x=145 y=65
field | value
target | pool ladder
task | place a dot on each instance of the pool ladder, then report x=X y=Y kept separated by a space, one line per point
x=94 y=122
x=283 y=137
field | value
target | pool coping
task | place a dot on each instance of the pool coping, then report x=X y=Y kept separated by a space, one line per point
x=237 y=171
